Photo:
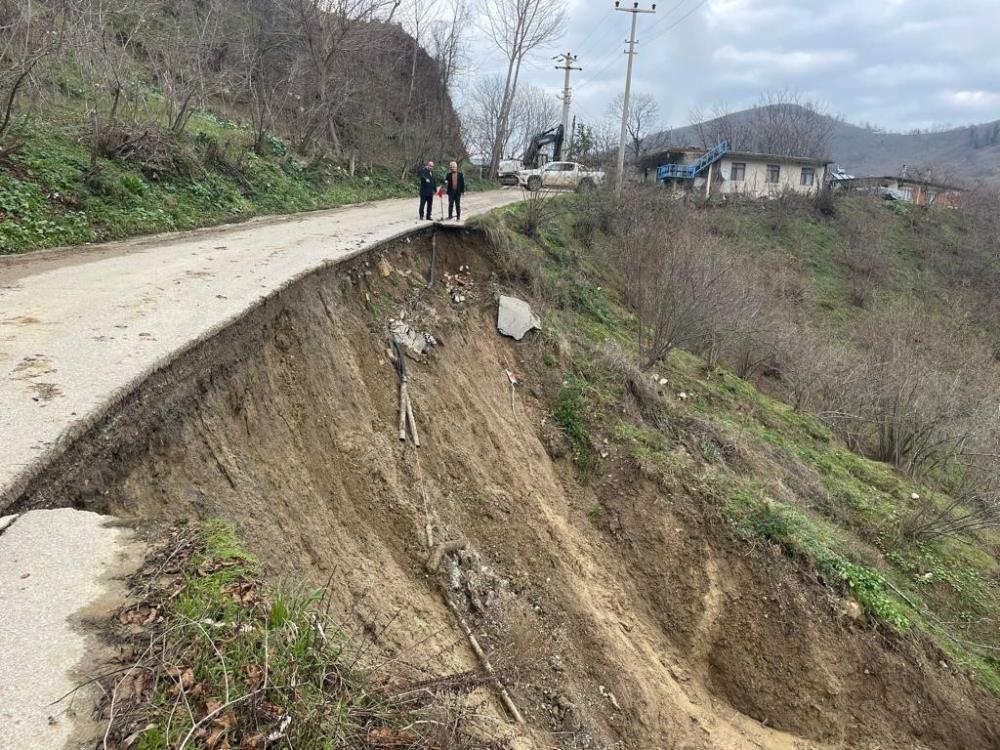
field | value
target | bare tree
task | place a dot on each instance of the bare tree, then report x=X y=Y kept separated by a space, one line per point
x=517 y=28
x=781 y=123
x=26 y=39
x=676 y=274
x=481 y=115
x=189 y=58
x=449 y=49
x=643 y=119
x=534 y=112
x=448 y=41
x=419 y=15
x=267 y=66
x=330 y=35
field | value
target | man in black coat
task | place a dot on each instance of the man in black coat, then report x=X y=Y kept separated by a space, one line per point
x=428 y=187
x=455 y=185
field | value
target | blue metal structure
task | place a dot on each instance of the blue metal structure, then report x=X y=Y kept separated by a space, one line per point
x=689 y=171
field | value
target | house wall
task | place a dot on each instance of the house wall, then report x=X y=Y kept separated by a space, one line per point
x=755 y=184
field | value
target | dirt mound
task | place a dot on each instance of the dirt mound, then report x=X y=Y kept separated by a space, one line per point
x=645 y=625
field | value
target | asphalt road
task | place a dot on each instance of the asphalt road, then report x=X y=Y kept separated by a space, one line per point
x=56 y=567
x=82 y=325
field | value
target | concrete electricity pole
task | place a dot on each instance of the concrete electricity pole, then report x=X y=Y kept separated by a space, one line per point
x=635 y=11
x=567 y=59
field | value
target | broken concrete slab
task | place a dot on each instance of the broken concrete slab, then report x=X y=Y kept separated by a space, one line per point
x=416 y=341
x=515 y=318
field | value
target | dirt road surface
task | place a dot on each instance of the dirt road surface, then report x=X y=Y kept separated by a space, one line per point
x=79 y=327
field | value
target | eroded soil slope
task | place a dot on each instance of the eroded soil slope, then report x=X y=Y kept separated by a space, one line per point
x=630 y=614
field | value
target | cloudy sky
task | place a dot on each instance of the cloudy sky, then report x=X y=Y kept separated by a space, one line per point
x=899 y=64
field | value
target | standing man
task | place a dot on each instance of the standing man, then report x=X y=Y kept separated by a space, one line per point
x=428 y=186
x=455 y=184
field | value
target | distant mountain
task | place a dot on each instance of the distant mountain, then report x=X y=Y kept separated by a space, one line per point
x=971 y=152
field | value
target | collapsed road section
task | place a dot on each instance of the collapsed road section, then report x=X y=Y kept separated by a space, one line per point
x=610 y=611
x=80 y=328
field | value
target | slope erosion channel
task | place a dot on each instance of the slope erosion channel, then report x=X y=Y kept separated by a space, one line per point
x=655 y=630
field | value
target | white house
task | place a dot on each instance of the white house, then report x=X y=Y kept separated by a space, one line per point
x=762 y=175
x=724 y=173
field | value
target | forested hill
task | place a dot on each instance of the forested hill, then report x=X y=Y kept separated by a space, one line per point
x=120 y=117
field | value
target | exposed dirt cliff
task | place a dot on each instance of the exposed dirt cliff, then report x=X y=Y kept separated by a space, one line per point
x=622 y=605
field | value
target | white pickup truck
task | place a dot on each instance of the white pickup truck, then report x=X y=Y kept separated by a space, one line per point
x=560 y=175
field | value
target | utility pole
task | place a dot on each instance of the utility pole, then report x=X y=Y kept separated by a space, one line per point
x=567 y=59
x=635 y=10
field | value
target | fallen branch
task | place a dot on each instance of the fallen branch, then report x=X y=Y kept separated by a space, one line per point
x=211 y=715
x=483 y=660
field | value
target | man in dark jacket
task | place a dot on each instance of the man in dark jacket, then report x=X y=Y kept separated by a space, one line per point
x=428 y=186
x=455 y=185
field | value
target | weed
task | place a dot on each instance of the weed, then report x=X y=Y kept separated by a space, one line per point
x=571 y=408
x=239 y=661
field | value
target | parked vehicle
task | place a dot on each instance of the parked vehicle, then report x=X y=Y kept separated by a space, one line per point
x=534 y=157
x=561 y=175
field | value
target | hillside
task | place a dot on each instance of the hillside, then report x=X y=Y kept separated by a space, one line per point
x=663 y=557
x=970 y=153
x=197 y=113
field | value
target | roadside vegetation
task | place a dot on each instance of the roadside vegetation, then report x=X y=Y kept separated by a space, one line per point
x=822 y=375
x=120 y=118
x=218 y=657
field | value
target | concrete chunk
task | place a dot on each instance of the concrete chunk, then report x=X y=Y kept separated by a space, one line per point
x=515 y=318
x=417 y=342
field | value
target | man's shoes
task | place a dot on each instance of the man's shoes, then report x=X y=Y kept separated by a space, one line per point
x=449 y=217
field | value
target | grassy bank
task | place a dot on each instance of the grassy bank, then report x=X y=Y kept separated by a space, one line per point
x=51 y=194
x=218 y=657
x=776 y=477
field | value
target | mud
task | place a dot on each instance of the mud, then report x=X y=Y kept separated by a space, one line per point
x=649 y=628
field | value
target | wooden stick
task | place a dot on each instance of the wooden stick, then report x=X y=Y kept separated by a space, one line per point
x=412 y=421
x=402 y=409
x=484 y=660
x=434 y=252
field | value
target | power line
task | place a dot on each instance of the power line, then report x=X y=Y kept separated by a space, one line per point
x=611 y=58
x=666 y=16
x=608 y=61
x=600 y=24
x=634 y=11
x=679 y=21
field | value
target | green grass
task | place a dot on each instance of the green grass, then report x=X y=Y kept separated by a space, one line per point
x=237 y=656
x=776 y=475
x=49 y=196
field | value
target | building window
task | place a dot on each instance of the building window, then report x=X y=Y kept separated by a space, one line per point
x=738 y=172
x=808 y=176
x=773 y=173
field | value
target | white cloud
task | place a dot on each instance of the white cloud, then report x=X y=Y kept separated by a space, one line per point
x=897 y=63
x=895 y=74
x=976 y=99
x=789 y=62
